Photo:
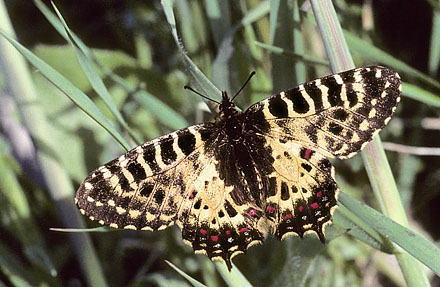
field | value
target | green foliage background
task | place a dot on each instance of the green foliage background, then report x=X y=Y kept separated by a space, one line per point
x=133 y=70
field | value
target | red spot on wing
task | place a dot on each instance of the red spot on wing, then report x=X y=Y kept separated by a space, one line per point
x=319 y=194
x=191 y=196
x=307 y=155
x=252 y=212
x=243 y=229
x=203 y=231
x=228 y=232
x=301 y=208
x=287 y=216
x=314 y=205
x=214 y=238
x=270 y=209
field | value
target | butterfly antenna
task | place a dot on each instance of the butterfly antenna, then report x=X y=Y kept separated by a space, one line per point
x=244 y=85
x=203 y=96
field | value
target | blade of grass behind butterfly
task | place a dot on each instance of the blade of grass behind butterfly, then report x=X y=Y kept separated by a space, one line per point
x=434 y=55
x=219 y=19
x=255 y=24
x=417 y=93
x=191 y=280
x=221 y=65
x=12 y=269
x=22 y=224
x=160 y=110
x=377 y=166
x=252 y=16
x=167 y=116
x=307 y=59
x=189 y=36
x=200 y=81
x=346 y=222
x=416 y=245
x=76 y=95
x=285 y=71
x=223 y=35
x=93 y=77
x=194 y=31
x=58 y=183
x=233 y=278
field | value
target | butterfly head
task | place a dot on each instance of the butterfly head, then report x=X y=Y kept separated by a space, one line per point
x=227 y=108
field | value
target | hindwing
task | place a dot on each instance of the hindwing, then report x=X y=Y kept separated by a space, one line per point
x=302 y=191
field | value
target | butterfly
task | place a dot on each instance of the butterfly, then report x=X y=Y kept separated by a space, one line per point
x=230 y=183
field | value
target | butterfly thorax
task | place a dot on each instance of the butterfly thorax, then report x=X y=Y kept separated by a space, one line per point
x=230 y=119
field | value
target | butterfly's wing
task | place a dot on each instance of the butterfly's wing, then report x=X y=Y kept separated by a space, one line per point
x=173 y=179
x=302 y=190
x=334 y=116
x=143 y=188
x=210 y=221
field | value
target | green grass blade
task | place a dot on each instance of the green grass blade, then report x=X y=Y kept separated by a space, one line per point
x=220 y=66
x=201 y=82
x=434 y=47
x=56 y=23
x=58 y=183
x=76 y=95
x=425 y=251
x=92 y=75
x=191 y=280
x=86 y=52
x=308 y=59
x=416 y=93
x=94 y=229
x=349 y=222
x=25 y=228
x=281 y=34
x=332 y=36
x=219 y=19
x=256 y=13
x=233 y=278
x=298 y=46
x=189 y=36
x=160 y=110
x=12 y=268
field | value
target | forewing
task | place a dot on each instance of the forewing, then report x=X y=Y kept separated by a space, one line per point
x=335 y=115
x=144 y=188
